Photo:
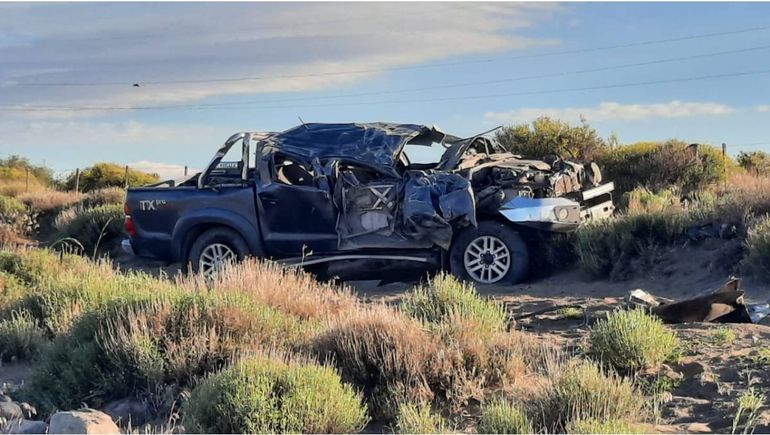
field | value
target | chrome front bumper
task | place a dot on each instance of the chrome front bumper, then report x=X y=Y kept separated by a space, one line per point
x=595 y=203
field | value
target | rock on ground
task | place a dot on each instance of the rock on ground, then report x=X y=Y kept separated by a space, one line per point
x=129 y=410
x=87 y=421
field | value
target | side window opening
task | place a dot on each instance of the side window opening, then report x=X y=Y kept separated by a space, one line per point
x=292 y=173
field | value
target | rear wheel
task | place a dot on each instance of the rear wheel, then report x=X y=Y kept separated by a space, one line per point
x=215 y=249
x=492 y=253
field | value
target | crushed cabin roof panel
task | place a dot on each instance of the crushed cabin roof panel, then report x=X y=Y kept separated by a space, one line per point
x=374 y=143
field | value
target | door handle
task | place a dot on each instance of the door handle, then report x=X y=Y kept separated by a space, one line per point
x=270 y=200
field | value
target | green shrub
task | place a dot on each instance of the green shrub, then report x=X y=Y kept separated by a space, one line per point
x=755 y=162
x=603 y=247
x=551 y=137
x=14 y=216
x=268 y=396
x=103 y=175
x=445 y=296
x=92 y=226
x=418 y=419
x=643 y=200
x=758 y=247
x=502 y=416
x=20 y=338
x=137 y=348
x=631 y=341
x=55 y=301
x=595 y=426
x=11 y=289
x=582 y=391
x=382 y=352
x=657 y=165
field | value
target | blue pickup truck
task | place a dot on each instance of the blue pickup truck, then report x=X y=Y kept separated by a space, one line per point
x=362 y=197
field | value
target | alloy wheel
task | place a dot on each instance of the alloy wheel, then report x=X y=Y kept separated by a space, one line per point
x=214 y=258
x=487 y=259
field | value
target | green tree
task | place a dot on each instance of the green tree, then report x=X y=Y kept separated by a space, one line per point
x=756 y=162
x=103 y=175
x=15 y=168
x=548 y=137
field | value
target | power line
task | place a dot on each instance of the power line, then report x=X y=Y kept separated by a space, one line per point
x=397 y=68
x=511 y=79
x=466 y=84
x=420 y=100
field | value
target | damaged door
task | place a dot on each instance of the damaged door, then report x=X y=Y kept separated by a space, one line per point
x=298 y=216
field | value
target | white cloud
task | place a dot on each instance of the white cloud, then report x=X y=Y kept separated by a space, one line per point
x=128 y=43
x=763 y=108
x=615 y=111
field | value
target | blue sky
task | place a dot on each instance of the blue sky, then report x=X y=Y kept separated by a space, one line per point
x=313 y=60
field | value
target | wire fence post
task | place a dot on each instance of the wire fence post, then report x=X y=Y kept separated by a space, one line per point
x=185 y=170
x=26 y=181
x=724 y=163
x=125 y=177
x=77 y=180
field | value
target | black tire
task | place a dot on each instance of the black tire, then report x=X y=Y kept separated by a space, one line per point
x=223 y=236
x=518 y=267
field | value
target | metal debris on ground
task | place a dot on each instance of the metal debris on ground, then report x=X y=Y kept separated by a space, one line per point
x=723 y=305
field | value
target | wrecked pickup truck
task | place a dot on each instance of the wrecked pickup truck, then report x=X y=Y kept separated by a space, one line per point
x=351 y=195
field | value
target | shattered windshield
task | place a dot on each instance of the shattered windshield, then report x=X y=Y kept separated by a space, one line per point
x=424 y=154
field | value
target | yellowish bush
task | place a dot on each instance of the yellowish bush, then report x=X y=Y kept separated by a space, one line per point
x=382 y=352
x=288 y=289
x=49 y=199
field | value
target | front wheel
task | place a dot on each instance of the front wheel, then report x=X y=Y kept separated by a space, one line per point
x=488 y=254
x=215 y=249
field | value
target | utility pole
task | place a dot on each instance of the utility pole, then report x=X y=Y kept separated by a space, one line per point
x=77 y=180
x=26 y=184
x=185 y=170
x=125 y=177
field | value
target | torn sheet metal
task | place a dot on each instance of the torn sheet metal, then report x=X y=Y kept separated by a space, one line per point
x=723 y=305
x=434 y=202
x=418 y=210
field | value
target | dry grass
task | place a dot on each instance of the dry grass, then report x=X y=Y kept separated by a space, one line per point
x=49 y=200
x=116 y=335
x=18 y=187
x=287 y=289
x=105 y=196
